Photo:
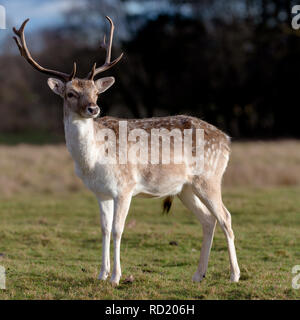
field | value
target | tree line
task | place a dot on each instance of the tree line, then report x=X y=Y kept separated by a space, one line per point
x=232 y=63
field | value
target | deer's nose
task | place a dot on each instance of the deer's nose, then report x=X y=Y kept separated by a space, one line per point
x=93 y=110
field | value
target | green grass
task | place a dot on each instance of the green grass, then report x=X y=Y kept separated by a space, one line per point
x=30 y=137
x=51 y=249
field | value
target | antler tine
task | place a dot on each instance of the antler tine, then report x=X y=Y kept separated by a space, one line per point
x=107 y=46
x=103 y=45
x=21 y=43
x=111 y=35
x=92 y=73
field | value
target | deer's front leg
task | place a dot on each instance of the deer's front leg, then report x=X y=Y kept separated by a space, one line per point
x=121 y=207
x=106 y=217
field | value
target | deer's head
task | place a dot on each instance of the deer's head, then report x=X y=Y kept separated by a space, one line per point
x=80 y=95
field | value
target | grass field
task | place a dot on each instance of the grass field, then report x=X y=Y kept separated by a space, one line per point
x=50 y=246
x=50 y=238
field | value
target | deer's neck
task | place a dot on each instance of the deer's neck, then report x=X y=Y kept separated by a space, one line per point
x=80 y=140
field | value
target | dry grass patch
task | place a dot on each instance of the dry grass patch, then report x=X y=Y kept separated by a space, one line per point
x=261 y=163
x=50 y=169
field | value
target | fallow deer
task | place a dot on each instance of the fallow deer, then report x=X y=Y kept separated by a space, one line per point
x=114 y=184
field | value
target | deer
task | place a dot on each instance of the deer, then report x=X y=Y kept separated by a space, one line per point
x=115 y=184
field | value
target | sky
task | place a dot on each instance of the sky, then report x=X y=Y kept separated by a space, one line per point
x=50 y=12
x=47 y=13
x=42 y=13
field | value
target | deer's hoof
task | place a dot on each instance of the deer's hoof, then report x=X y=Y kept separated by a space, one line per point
x=234 y=277
x=115 y=280
x=198 y=277
x=103 y=275
x=114 y=283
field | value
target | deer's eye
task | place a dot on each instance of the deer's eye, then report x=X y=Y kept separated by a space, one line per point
x=70 y=95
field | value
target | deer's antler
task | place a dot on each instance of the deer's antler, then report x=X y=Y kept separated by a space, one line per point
x=21 y=43
x=107 y=46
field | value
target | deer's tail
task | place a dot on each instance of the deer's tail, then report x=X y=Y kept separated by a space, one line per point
x=167 y=204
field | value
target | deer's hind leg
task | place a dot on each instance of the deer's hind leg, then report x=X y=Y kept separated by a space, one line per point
x=208 y=221
x=210 y=194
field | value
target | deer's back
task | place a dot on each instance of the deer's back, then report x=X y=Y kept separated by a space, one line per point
x=212 y=135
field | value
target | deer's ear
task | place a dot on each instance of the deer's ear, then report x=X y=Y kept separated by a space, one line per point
x=57 y=86
x=104 y=83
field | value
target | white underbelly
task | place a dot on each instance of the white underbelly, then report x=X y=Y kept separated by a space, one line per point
x=157 y=191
